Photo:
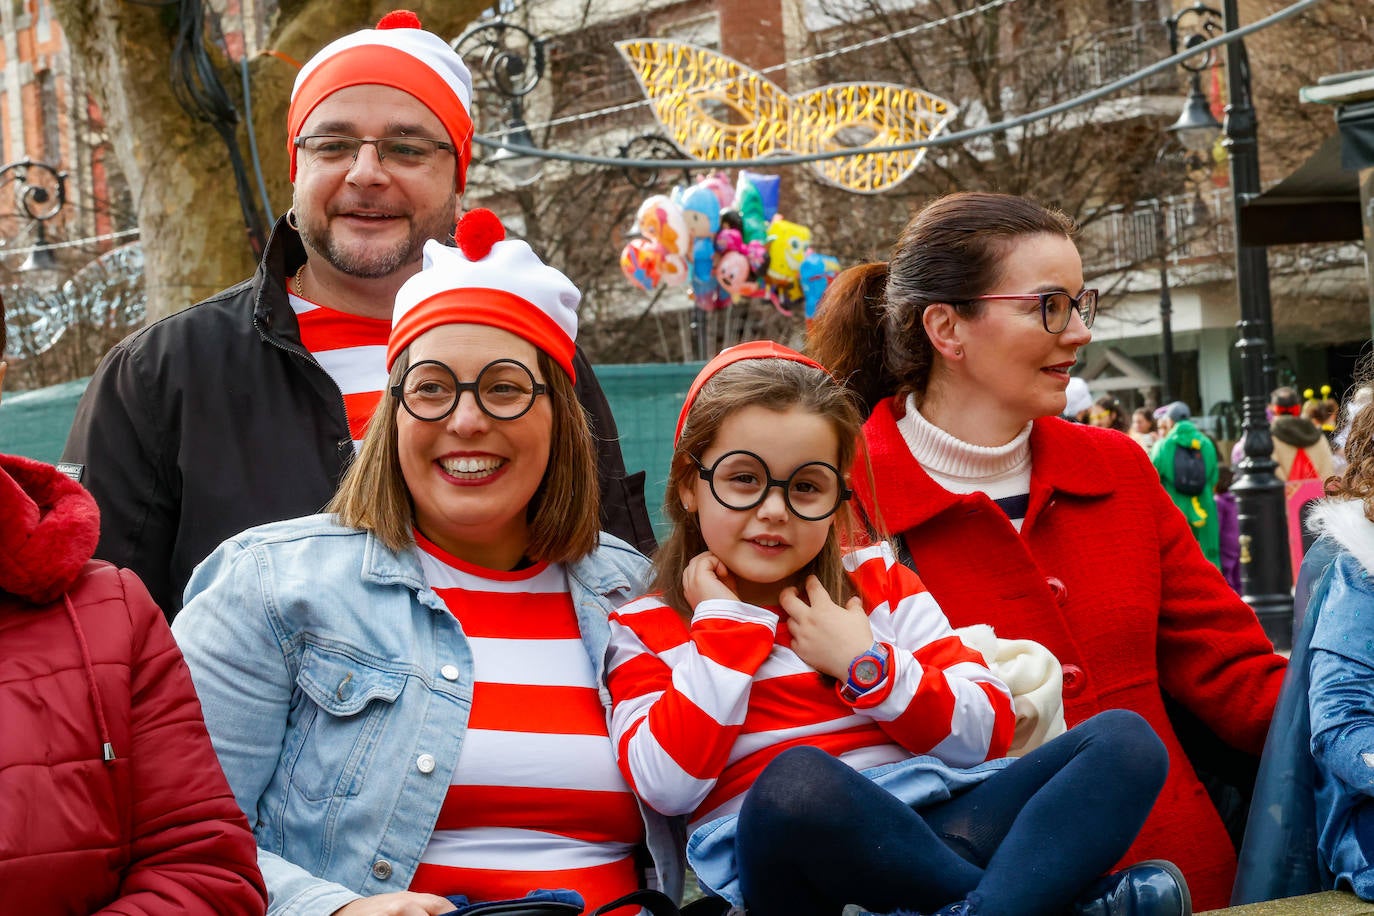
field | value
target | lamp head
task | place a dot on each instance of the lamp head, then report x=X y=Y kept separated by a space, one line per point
x=520 y=168
x=1196 y=127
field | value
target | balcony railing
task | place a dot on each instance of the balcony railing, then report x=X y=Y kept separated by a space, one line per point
x=1110 y=55
x=1194 y=227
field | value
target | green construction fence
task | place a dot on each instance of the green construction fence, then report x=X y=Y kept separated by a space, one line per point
x=645 y=399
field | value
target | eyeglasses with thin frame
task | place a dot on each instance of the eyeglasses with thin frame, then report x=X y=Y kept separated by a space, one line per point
x=505 y=389
x=1057 y=308
x=336 y=153
x=740 y=480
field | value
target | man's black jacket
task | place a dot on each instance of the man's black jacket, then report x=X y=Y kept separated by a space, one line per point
x=217 y=419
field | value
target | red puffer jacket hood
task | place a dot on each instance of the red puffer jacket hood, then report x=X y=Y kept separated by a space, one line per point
x=49 y=526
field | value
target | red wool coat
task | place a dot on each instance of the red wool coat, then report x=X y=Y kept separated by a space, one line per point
x=1107 y=576
x=111 y=797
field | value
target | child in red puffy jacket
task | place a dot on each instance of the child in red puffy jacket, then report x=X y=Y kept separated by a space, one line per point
x=111 y=796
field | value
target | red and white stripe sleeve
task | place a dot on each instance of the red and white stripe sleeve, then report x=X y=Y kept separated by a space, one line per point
x=940 y=699
x=680 y=695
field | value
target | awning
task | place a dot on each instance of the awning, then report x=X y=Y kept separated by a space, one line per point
x=1356 y=123
x=1131 y=375
x=1318 y=202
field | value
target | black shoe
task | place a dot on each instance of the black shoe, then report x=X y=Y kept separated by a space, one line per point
x=1151 y=888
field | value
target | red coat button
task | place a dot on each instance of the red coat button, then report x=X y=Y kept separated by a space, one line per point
x=1058 y=589
x=1074 y=680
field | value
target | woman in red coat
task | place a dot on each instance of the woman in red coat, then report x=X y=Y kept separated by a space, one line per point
x=111 y=797
x=961 y=345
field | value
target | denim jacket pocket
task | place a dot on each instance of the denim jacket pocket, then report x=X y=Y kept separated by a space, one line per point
x=342 y=713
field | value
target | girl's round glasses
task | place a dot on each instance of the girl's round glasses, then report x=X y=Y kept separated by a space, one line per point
x=741 y=480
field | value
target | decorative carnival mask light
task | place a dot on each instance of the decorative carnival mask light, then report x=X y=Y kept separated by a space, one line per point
x=692 y=88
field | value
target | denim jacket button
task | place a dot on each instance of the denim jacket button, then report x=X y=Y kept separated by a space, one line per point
x=450 y=672
x=381 y=869
x=425 y=763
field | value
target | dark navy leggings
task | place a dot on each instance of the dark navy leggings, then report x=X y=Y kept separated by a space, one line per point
x=815 y=835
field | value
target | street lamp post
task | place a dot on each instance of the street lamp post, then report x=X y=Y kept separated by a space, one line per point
x=511 y=60
x=1266 y=581
x=40 y=192
x=1166 y=310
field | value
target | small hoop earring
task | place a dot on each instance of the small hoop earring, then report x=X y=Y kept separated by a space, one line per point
x=291 y=219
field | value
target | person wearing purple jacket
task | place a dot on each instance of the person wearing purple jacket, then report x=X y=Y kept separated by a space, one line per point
x=1228 y=528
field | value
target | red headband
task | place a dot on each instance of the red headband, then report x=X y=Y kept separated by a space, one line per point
x=755 y=349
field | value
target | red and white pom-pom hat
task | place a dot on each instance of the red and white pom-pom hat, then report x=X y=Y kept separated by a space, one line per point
x=488 y=280
x=397 y=53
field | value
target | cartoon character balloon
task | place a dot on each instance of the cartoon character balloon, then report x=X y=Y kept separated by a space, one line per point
x=718 y=237
x=749 y=205
x=642 y=263
x=701 y=212
x=735 y=276
x=817 y=270
x=718 y=183
x=787 y=245
x=661 y=220
x=768 y=186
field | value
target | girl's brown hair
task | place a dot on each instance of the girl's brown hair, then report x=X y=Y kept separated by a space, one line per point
x=563 y=514
x=868 y=328
x=1357 y=481
x=774 y=384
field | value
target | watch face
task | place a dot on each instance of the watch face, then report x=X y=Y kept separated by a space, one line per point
x=867 y=671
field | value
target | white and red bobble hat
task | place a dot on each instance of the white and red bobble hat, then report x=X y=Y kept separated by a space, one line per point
x=488 y=280
x=397 y=53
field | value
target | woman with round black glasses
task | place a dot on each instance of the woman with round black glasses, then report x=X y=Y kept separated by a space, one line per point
x=961 y=347
x=406 y=693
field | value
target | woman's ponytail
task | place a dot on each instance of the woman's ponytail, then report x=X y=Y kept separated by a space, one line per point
x=848 y=334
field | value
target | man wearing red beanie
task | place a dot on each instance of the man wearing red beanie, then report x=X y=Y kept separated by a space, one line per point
x=246 y=408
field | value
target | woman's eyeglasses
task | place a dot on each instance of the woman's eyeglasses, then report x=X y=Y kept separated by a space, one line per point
x=741 y=480
x=505 y=389
x=1056 y=309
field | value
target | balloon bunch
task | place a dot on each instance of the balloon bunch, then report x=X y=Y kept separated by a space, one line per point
x=728 y=243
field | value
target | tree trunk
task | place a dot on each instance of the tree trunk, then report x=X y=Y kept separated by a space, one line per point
x=178 y=169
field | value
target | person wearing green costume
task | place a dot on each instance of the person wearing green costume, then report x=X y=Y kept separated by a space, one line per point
x=1186 y=460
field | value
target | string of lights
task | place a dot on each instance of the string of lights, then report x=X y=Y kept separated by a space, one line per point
x=71 y=243
x=799 y=62
x=1086 y=98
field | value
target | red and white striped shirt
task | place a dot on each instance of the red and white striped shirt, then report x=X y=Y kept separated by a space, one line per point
x=535 y=800
x=699 y=712
x=352 y=349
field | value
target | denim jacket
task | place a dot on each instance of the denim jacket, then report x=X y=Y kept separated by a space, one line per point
x=333 y=681
x=1341 y=695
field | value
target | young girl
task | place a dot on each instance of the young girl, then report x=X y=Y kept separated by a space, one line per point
x=769 y=668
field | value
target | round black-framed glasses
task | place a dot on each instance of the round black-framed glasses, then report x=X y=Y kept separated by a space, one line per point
x=740 y=480
x=1057 y=308
x=505 y=389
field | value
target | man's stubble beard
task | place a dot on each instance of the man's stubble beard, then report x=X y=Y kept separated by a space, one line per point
x=373 y=263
